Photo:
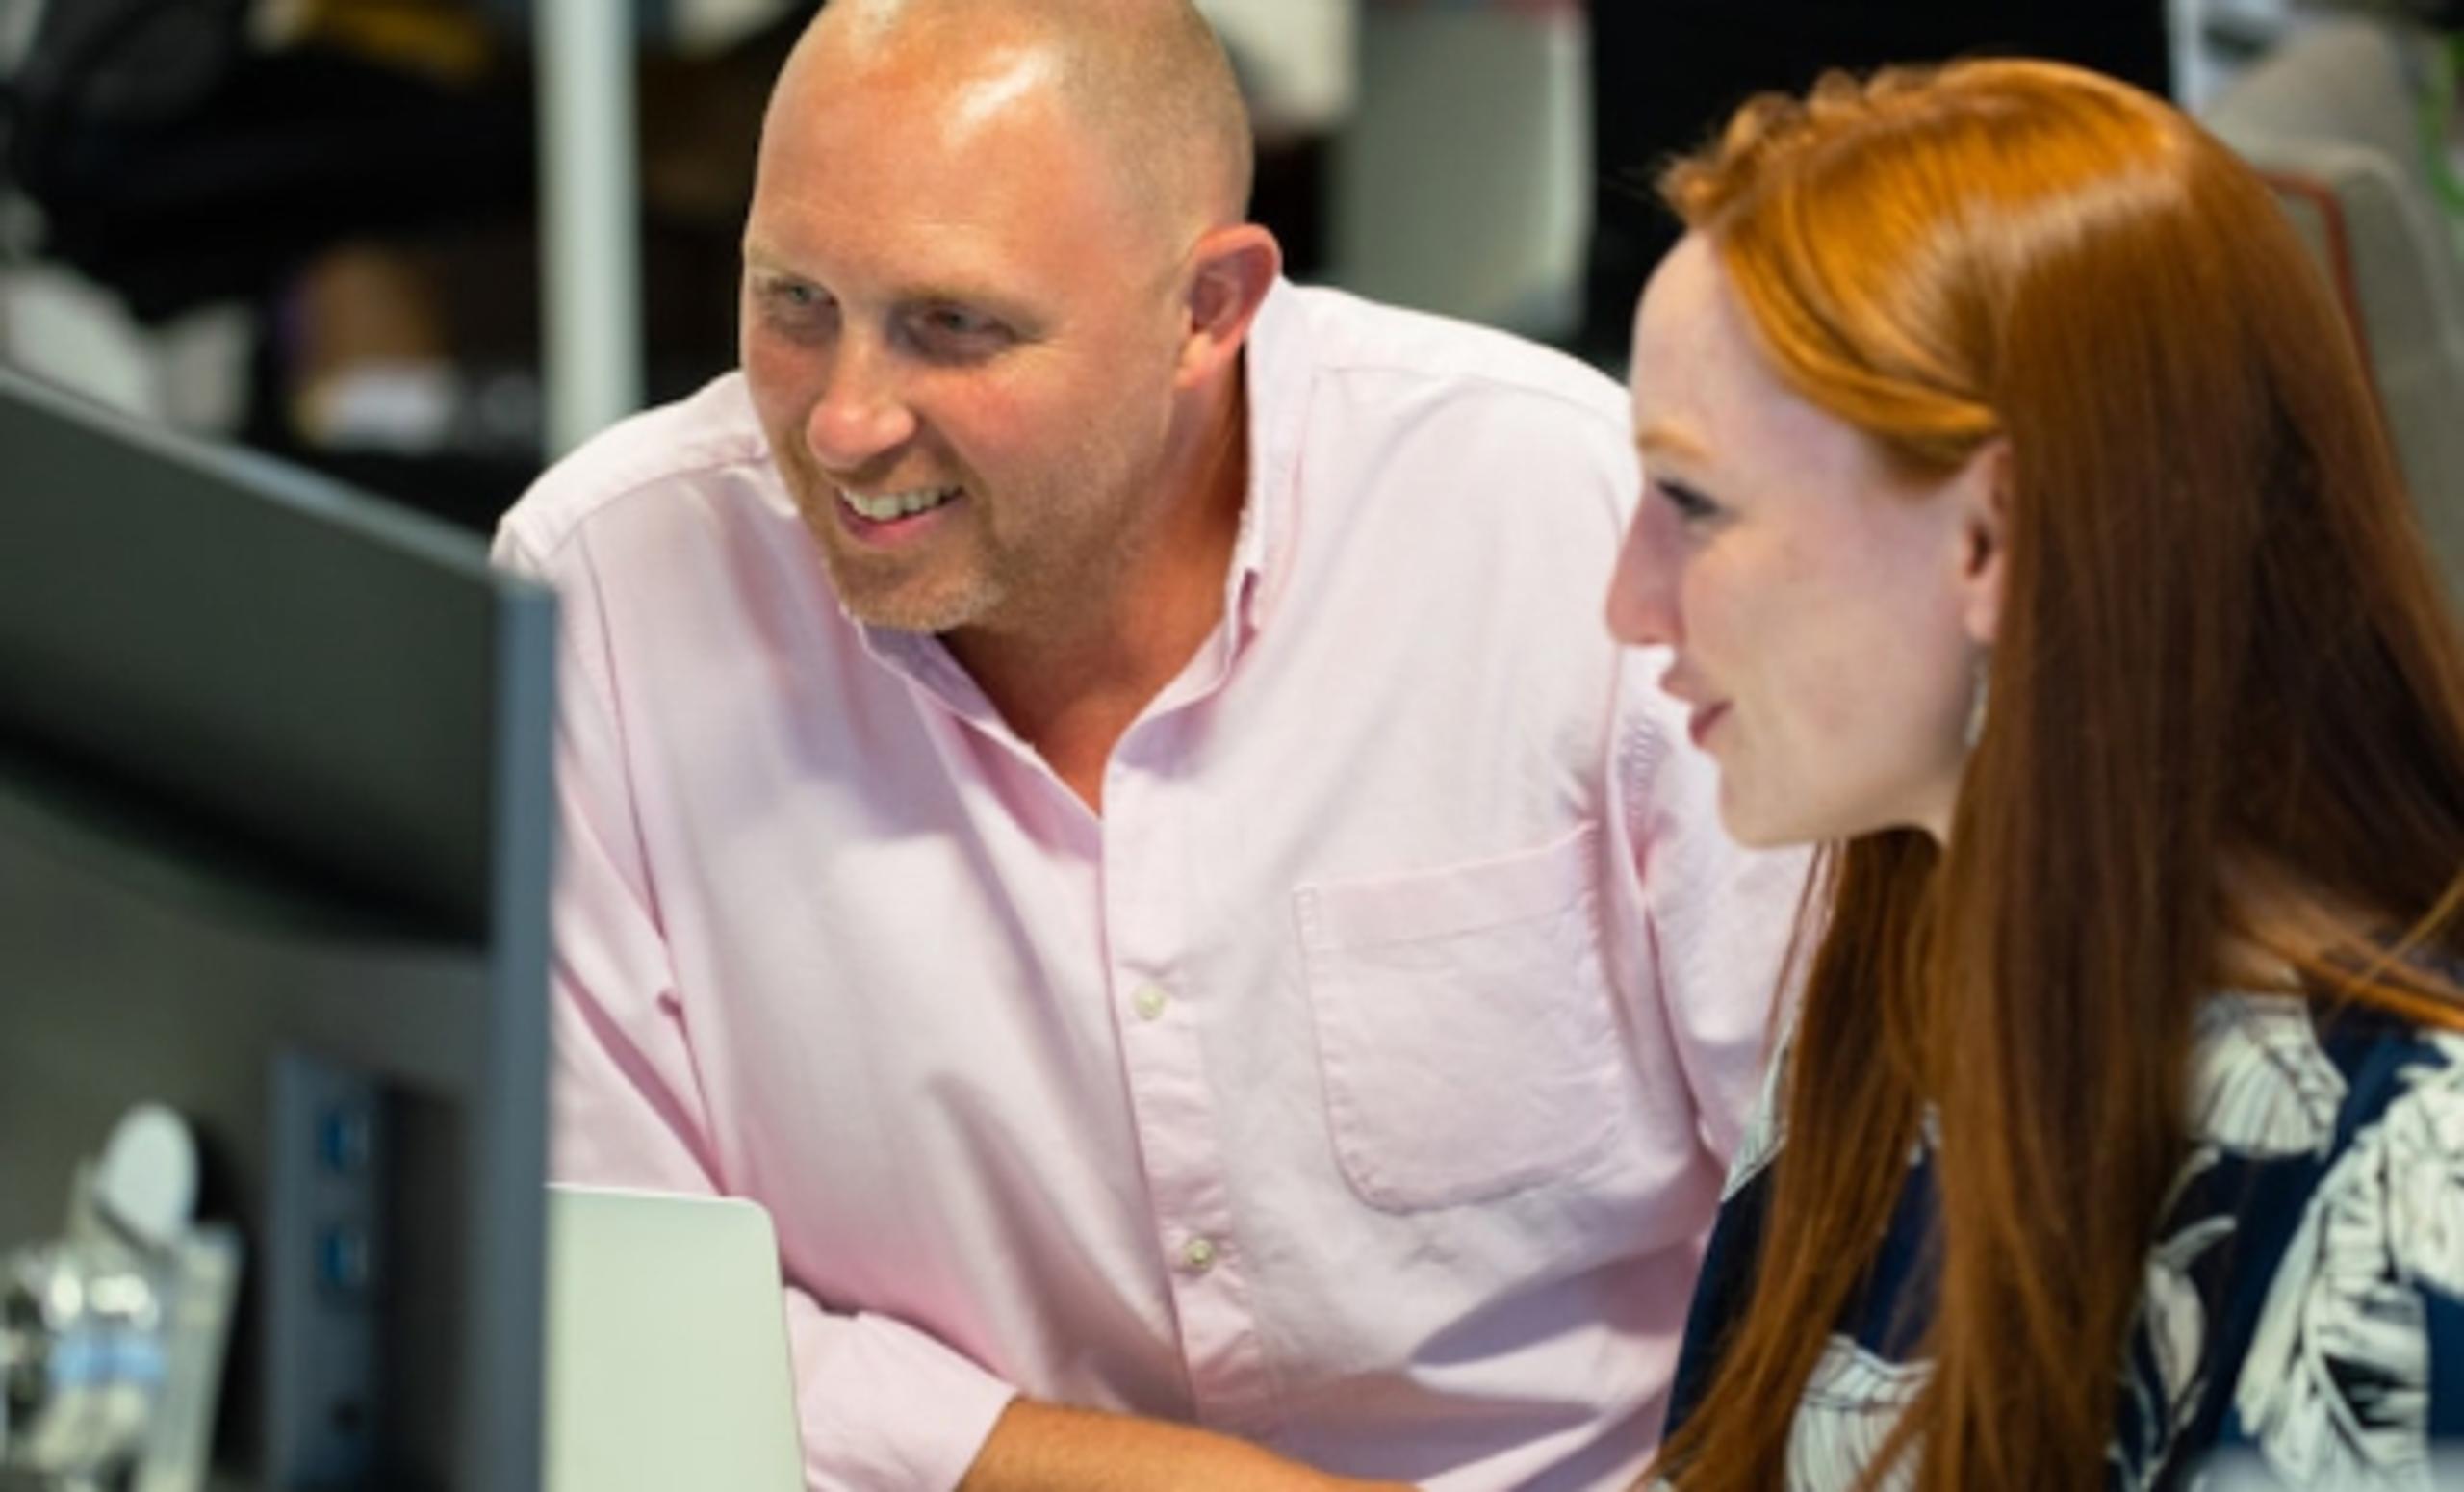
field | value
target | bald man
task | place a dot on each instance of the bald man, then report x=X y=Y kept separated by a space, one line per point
x=1094 y=787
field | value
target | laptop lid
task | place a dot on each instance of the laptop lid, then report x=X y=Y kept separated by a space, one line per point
x=667 y=1361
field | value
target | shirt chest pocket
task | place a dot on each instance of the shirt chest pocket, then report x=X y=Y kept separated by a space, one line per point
x=1466 y=1036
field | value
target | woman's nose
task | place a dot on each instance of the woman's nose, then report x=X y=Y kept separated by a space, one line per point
x=1642 y=595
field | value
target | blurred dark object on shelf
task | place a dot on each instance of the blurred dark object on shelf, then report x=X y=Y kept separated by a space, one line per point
x=365 y=182
x=177 y=164
x=1289 y=197
x=2437 y=14
x=1665 y=74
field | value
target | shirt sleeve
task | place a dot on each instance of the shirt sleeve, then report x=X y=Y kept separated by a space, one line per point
x=1708 y=924
x=881 y=1405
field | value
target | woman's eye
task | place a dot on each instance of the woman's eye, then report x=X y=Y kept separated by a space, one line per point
x=1692 y=507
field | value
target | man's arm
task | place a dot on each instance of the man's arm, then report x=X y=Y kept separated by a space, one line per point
x=1044 y=1448
x=882 y=1404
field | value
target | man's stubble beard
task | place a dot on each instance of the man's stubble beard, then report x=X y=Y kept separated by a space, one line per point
x=894 y=592
x=986 y=582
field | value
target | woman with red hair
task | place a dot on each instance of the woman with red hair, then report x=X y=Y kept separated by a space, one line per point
x=2022 y=530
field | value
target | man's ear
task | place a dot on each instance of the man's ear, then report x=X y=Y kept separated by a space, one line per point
x=1981 y=495
x=1231 y=270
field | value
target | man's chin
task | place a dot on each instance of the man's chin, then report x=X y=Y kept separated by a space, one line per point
x=901 y=601
x=919 y=623
x=905 y=608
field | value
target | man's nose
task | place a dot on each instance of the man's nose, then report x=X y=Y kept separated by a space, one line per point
x=1642 y=595
x=863 y=412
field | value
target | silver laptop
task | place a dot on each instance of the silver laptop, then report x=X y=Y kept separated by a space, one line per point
x=667 y=1347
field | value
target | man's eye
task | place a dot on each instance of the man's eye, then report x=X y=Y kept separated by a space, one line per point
x=794 y=297
x=956 y=330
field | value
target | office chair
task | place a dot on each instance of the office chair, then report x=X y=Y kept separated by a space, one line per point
x=2331 y=118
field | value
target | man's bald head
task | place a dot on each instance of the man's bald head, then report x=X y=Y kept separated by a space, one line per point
x=1148 y=78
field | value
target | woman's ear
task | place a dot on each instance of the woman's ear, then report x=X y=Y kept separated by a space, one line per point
x=1231 y=271
x=1981 y=493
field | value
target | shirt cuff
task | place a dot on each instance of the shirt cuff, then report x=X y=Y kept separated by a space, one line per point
x=883 y=1405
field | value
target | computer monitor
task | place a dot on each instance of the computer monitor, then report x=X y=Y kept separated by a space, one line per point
x=275 y=808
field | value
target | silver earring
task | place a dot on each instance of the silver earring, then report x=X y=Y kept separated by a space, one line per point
x=1977 y=700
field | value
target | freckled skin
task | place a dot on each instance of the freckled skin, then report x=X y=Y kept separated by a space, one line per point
x=1818 y=606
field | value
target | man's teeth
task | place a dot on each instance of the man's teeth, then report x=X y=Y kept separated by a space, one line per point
x=882 y=507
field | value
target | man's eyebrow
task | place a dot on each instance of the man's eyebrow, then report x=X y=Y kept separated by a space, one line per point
x=760 y=255
x=929 y=292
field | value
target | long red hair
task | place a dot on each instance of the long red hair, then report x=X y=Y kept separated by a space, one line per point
x=2228 y=714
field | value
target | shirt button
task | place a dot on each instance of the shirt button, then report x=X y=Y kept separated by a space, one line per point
x=1149 y=1002
x=1198 y=1254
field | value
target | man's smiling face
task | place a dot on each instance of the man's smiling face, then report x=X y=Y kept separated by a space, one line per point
x=960 y=333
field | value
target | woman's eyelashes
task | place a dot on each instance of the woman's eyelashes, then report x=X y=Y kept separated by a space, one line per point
x=1692 y=507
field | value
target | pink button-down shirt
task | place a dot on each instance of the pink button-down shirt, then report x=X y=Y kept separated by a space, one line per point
x=1359 y=1083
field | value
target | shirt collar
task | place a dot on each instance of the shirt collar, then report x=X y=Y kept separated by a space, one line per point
x=1277 y=372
